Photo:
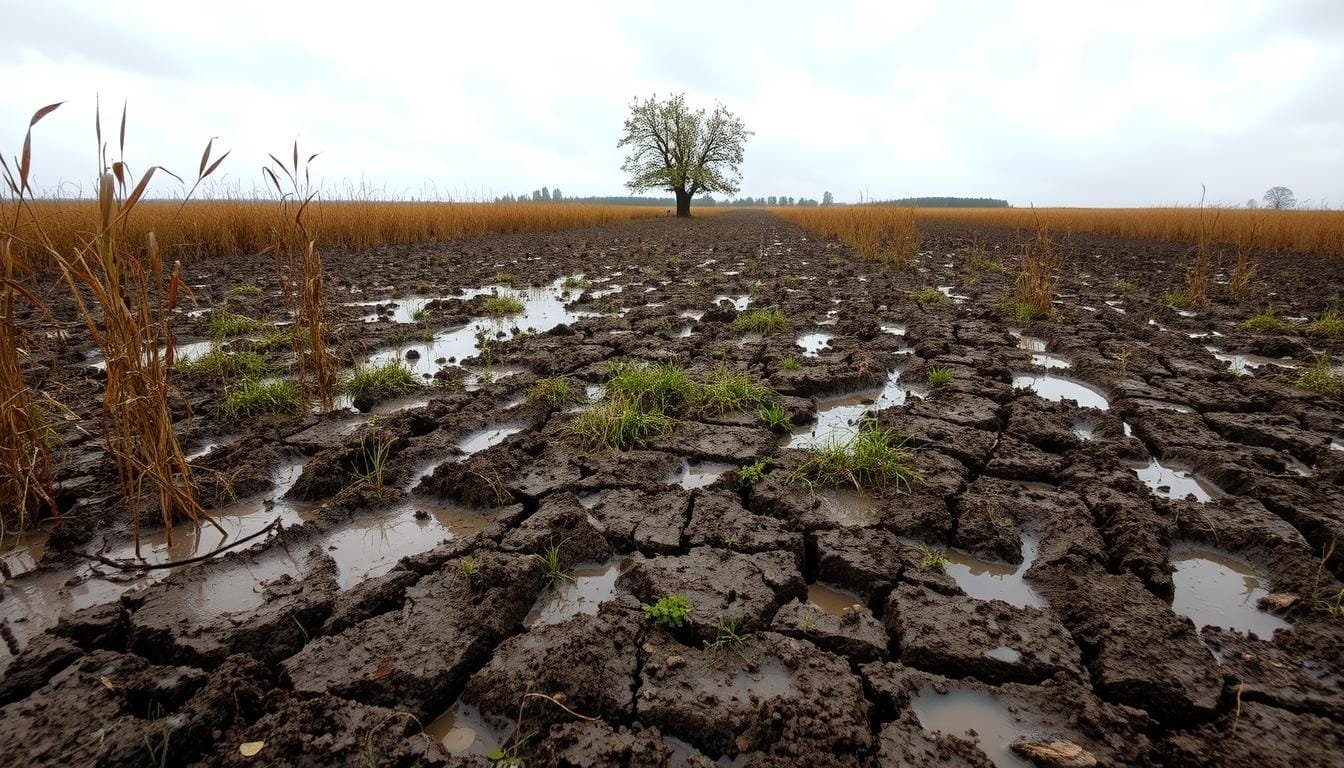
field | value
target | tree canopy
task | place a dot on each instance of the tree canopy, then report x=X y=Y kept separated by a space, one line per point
x=684 y=151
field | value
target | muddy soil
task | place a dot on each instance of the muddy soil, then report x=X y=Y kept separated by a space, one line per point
x=1111 y=560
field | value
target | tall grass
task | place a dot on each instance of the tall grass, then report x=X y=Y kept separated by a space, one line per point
x=1037 y=272
x=126 y=298
x=885 y=233
x=229 y=227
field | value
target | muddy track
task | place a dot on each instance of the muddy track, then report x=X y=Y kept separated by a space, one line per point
x=1133 y=528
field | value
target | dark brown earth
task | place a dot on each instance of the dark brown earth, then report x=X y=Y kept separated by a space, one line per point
x=346 y=637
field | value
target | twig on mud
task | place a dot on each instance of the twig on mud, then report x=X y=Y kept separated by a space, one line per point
x=275 y=525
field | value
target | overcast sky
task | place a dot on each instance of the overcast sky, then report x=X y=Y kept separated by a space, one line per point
x=1056 y=103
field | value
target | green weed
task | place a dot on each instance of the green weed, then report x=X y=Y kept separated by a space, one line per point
x=875 y=458
x=219 y=363
x=730 y=391
x=1320 y=379
x=664 y=387
x=729 y=639
x=554 y=392
x=551 y=565
x=928 y=296
x=765 y=320
x=503 y=306
x=754 y=473
x=618 y=423
x=774 y=417
x=790 y=364
x=1329 y=325
x=932 y=559
x=260 y=397
x=671 y=611
x=940 y=377
x=225 y=324
x=239 y=291
x=1265 y=321
x=390 y=379
x=503 y=278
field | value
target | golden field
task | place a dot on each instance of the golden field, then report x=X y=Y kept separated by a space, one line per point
x=223 y=228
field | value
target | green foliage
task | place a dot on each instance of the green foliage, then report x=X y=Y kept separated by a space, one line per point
x=503 y=306
x=791 y=280
x=618 y=423
x=1320 y=379
x=1023 y=312
x=1265 y=321
x=260 y=397
x=225 y=324
x=239 y=291
x=874 y=458
x=932 y=559
x=222 y=364
x=574 y=282
x=670 y=611
x=554 y=392
x=1125 y=287
x=940 y=377
x=790 y=364
x=551 y=565
x=705 y=150
x=754 y=473
x=664 y=387
x=730 y=391
x=774 y=417
x=1329 y=325
x=390 y=379
x=277 y=340
x=1177 y=300
x=728 y=638
x=375 y=451
x=503 y=278
x=928 y=296
x=765 y=320
x=467 y=568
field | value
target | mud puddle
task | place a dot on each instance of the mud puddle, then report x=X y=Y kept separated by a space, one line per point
x=462 y=731
x=1219 y=589
x=372 y=544
x=1174 y=482
x=994 y=580
x=1246 y=363
x=698 y=474
x=587 y=588
x=975 y=716
x=849 y=508
x=484 y=438
x=770 y=680
x=813 y=343
x=832 y=600
x=838 y=418
x=1056 y=388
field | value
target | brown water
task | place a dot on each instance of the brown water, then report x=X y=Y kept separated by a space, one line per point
x=698 y=474
x=994 y=580
x=592 y=584
x=1218 y=589
x=978 y=717
x=1173 y=482
x=849 y=507
x=831 y=599
x=370 y=545
x=462 y=731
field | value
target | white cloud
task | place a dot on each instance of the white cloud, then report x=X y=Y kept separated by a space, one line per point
x=1059 y=103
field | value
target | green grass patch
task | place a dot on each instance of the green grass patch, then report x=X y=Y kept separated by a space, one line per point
x=790 y=364
x=502 y=306
x=390 y=379
x=754 y=473
x=554 y=392
x=728 y=391
x=875 y=459
x=774 y=417
x=791 y=280
x=503 y=278
x=260 y=397
x=1125 y=287
x=1320 y=379
x=928 y=296
x=1329 y=325
x=275 y=341
x=617 y=423
x=940 y=377
x=671 y=611
x=1176 y=300
x=932 y=559
x=574 y=282
x=1265 y=321
x=1023 y=312
x=225 y=324
x=239 y=291
x=663 y=387
x=765 y=320
x=222 y=364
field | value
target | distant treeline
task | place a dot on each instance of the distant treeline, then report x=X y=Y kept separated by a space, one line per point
x=946 y=202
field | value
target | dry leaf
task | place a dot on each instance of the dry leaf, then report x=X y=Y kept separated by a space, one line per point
x=250 y=748
x=107 y=683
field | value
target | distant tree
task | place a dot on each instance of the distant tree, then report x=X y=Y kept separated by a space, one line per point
x=1252 y=204
x=771 y=200
x=827 y=198
x=1280 y=198
x=683 y=151
x=536 y=195
x=556 y=196
x=545 y=193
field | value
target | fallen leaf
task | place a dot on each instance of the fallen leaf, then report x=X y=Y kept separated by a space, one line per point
x=250 y=748
x=107 y=683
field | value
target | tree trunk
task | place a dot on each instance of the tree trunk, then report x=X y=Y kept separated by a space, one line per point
x=683 y=204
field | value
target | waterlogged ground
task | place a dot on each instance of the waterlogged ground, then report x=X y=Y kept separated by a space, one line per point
x=1111 y=558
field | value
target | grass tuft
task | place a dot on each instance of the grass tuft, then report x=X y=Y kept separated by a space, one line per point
x=1265 y=321
x=1329 y=325
x=239 y=291
x=932 y=559
x=260 y=397
x=503 y=306
x=503 y=278
x=790 y=364
x=940 y=377
x=928 y=296
x=774 y=417
x=663 y=387
x=225 y=324
x=220 y=363
x=1320 y=379
x=390 y=379
x=729 y=391
x=765 y=320
x=875 y=458
x=554 y=392
x=618 y=423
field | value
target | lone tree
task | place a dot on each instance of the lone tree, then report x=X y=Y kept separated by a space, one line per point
x=1280 y=198
x=682 y=151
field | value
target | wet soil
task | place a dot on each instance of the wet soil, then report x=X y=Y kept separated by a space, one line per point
x=1132 y=525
